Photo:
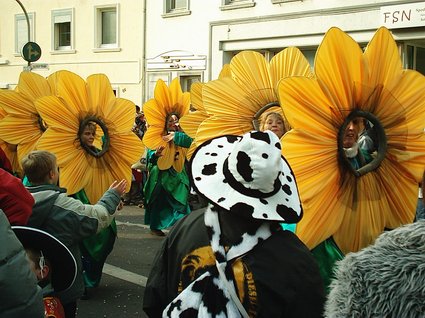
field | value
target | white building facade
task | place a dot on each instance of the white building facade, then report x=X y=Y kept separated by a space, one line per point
x=136 y=42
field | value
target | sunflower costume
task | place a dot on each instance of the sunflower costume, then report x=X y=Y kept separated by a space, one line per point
x=345 y=209
x=167 y=187
x=245 y=91
x=87 y=172
x=21 y=126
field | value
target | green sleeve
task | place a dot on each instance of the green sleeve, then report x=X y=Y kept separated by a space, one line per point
x=182 y=140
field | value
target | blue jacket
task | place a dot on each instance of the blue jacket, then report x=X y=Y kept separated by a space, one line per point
x=71 y=221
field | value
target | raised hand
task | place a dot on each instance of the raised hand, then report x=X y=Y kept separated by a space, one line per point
x=119 y=186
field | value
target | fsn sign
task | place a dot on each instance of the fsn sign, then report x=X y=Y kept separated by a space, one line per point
x=403 y=15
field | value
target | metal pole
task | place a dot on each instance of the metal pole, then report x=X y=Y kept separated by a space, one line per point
x=28 y=22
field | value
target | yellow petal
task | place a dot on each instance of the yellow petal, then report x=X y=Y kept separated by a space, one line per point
x=289 y=62
x=154 y=113
x=168 y=155
x=101 y=95
x=383 y=58
x=126 y=148
x=313 y=161
x=227 y=99
x=225 y=71
x=163 y=97
x=76 y=173
x=399 y=191
x=32 y=86
x=63 y=144
x=16 y=130
x=72 y=89
x=196 y=96
x=338 y=65
x=153 y=137
x=250 y=70
x=55 y=113
x=305 y=106
x=120 y=116
x=23 y=149
x=14 y=103
x=181 y=155
x=364 y=216
x=191 y=122
x=218 y=126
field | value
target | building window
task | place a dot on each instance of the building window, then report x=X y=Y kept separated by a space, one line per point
x=107 y=27
x=21 y=31
x=414 y=57
x=186 y=81
x=174 y=8
x=62 y=28
x=152 y=78
x=236 y=4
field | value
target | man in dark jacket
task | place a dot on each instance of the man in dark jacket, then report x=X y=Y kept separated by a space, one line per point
x=64 y=217
x=20 y=296
x=234 y=259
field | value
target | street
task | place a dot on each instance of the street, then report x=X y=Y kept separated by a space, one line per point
x=120 y=293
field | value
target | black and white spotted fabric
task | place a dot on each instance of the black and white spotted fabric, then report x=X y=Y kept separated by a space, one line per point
x=208 y=296
x=247 y=175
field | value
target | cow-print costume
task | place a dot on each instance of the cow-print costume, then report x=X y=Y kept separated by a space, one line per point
x=249 y=177
x=208 y=295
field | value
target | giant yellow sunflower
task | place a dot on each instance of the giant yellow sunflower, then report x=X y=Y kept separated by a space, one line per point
x=66 y=114
x=166 y=100
x=22 y=124
x=354 y=209
x=235 y=102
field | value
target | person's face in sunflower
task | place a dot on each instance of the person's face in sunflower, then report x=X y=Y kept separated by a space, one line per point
x=352 y=133
x=274 y=122
x=88 y=135
x=172 y=123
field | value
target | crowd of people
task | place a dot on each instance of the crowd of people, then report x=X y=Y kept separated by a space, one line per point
x=223 y=256
x=239 y=256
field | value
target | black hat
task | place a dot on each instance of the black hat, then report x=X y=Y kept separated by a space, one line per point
x=64 y=267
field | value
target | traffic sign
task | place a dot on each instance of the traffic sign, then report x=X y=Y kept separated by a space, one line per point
x=31 y=52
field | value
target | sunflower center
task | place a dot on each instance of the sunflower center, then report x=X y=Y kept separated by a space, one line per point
x=362 y=143
x=88 y=135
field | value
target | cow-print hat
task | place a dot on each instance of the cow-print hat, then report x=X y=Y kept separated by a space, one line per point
x=247 y=175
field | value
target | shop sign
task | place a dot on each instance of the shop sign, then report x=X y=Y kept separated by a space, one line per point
x=403 y=15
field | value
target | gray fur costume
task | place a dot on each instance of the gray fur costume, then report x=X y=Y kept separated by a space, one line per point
x=386 y=279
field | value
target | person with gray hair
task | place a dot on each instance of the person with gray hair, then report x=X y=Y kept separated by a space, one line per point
x=386 y=279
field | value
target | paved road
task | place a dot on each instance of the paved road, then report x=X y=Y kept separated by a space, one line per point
x=120 y=293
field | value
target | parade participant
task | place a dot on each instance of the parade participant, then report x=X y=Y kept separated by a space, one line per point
x=94 y=249
x=347 y=207
x=224 y=261
x=15 y=201
x=51 y=262
x=166 y=191
x=64 y=217
x=385 y=279
x=20 y=296
x=167 y=187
